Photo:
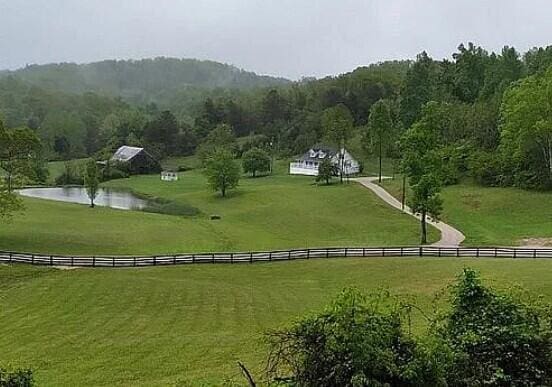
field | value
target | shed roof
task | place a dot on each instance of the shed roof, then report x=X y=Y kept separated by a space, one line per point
x=126 y=153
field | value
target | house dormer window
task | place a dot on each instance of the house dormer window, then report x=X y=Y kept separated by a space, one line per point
x=312 y=153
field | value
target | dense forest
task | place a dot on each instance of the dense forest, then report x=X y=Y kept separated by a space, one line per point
x=491 y=112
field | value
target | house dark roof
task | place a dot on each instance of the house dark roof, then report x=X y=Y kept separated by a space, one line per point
x=318 y=152
x=126 y=153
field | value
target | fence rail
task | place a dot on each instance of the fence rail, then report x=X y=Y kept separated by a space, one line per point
x=269 y=256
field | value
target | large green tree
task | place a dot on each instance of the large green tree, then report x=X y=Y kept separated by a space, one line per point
x=256 y=160
x=222 y=171
x=422 y=162
x=526 y=130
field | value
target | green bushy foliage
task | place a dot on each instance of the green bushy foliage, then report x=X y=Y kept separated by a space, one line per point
x=485 y=338
x=496 y=339
x=17 y=378
x=356 y=341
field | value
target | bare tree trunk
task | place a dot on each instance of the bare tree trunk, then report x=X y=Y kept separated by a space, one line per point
x=424 y=228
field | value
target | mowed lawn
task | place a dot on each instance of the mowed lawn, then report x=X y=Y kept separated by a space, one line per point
x=191 y=324
x=492 y=215
x=274 y=212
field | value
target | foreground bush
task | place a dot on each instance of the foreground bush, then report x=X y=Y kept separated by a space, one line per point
x=484 y=339
x=495 y=339
x=355 y=342
x=18 y=378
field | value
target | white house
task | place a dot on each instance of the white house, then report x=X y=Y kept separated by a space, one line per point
x=309 y=162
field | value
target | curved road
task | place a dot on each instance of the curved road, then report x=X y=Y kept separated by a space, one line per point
x=450 y=237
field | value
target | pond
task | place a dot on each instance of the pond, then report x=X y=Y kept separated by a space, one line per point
x=123 y=200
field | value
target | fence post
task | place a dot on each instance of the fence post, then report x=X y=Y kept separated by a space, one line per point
x=421 y=252
x=496 y=252
x=383 y=252
x=515 y=253
x=134 y=261
x=327 y=253
x=308 y=253
x=270 y=256
x=477 y=252
x=346 y=251
x=93 y=261
x=289 y=255
x=364 y=252
x=32 y=259
x=11 y=256
x=51 y=261
x=72 y=261
x=113 y=261
x=250 y=257
x=534 y=253
x=154 y=260
x=174 y=259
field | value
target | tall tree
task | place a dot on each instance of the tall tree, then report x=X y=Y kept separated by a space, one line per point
x=526 y=131
x=163 y=132
x=422 y=163
x=92 y=180
x=326 y=170
x=338 y=124
x=222 y=171
x=256 y=160
x=380 y=131
x=418 y=88
x=18 y=148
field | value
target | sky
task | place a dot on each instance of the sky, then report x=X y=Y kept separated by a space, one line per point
x=290 y=38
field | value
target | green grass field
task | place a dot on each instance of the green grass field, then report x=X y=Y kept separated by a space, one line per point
x=493 y=216
x=157 y=326
x=273 y=212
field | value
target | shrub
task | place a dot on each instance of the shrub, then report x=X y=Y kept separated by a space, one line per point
x=495 y=339
x=168 y=207
x=357 y=341
x=486 y=168
x=71 y=175
x=17 y=378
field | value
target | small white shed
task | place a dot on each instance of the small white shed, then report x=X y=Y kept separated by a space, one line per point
x=169 y=176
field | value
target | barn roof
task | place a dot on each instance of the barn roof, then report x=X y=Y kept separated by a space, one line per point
x=126 y=153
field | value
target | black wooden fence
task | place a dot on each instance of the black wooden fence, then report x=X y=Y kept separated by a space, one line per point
x=269 y=256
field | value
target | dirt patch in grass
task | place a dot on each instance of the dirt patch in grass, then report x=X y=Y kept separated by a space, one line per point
x=536 y=242
x=471 y=200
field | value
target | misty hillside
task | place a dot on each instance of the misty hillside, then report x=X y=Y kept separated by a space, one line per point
x=140 y=81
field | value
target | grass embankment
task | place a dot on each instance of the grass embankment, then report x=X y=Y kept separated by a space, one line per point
x=493 y=216
x=272 y=212
x=155 y=326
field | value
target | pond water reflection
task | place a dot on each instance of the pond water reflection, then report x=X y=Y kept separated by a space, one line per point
x=123 y=200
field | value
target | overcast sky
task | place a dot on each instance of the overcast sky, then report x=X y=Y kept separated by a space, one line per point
x=290 y=38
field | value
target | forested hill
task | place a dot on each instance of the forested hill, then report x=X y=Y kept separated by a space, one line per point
x=140 y=81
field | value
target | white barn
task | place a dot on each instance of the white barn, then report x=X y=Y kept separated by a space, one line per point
x=309 y=162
